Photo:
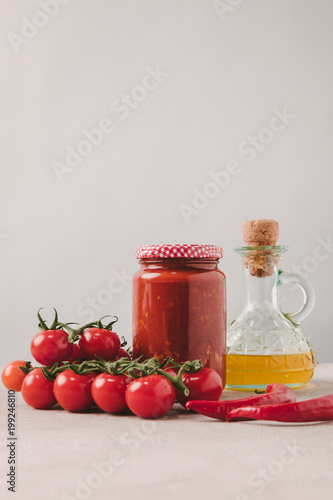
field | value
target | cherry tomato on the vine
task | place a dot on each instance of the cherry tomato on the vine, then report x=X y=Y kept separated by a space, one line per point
x=150 y=397
x=73 y=391
x=122 y=354
x=108 y=392
x=99 y=342
x=76 y=354
x=12 y=376
x=205 y=384
x=50 y=346
x=37 y=391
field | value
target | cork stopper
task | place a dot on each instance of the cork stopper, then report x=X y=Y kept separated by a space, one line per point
x=256 y=233
x=260 y=232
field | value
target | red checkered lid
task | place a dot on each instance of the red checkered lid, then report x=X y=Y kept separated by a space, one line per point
x=179 y=251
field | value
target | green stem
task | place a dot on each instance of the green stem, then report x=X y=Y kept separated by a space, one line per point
x=176 y=381
x=55 y=321
x=42 y=323
x=27 y=368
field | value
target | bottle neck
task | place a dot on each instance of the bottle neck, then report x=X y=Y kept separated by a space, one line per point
x=260 y=293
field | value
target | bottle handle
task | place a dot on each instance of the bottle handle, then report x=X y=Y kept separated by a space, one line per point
x=308 y=295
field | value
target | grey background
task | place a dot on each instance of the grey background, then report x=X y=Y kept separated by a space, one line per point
x=62 y=242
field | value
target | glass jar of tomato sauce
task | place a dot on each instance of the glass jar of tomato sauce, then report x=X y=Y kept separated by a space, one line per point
x=179 y=305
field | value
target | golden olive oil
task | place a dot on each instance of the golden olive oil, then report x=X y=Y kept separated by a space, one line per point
x=246 y=372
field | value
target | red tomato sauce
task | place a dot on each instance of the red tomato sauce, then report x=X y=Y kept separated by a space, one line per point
x=179 y=310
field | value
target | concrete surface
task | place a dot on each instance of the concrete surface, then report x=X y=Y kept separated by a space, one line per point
x=96 y=456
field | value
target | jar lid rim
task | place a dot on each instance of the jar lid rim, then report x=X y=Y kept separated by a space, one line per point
x=167 y=251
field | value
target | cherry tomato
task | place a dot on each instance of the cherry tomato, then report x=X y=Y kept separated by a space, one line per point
x=37 y=391
x=205 y=384
x=12 y=377
x=150 y=397
x=50 y=346
x=108 y=392
x=122 y=354
x=73 y=391
x=76 y=354
x=99 y=342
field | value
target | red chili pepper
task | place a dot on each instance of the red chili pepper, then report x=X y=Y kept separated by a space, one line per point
x=275 y=394
x=313 y=410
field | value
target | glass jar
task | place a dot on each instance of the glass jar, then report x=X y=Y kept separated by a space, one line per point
x=179 y=305
x=264 y=344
